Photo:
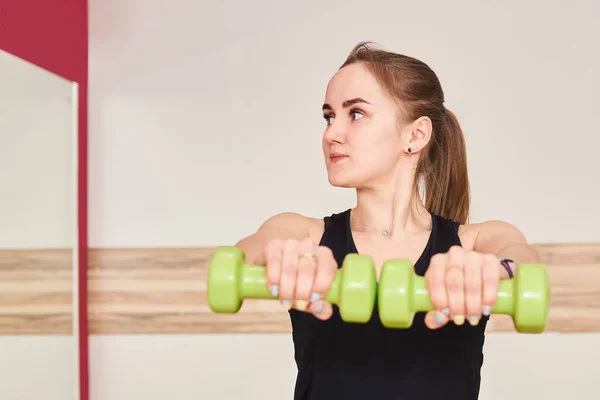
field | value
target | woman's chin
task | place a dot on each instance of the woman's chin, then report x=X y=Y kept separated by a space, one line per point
x=340 y=181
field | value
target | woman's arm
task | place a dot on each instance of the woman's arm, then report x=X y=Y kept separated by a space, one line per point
x=504 y=241
x=281 y=226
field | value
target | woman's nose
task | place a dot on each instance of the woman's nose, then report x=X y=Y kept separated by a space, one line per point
x=335 y=133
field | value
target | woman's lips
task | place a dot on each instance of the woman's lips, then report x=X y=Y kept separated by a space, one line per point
x=337 y=157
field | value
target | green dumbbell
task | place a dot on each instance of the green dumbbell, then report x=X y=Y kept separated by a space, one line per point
x=231 y=280
x=526 y=297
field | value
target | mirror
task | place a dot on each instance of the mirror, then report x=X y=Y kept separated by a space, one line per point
x=38 y=233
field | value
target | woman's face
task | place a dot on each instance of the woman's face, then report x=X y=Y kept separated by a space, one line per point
x=362 y=142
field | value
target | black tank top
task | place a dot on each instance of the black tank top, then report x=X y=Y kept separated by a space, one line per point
x=339 y=360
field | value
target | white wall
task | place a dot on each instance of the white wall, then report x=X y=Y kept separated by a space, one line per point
x=36 y=211
x=197 y=109
x=37 y=367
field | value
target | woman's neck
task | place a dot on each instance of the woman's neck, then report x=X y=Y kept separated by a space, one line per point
x=395 y=213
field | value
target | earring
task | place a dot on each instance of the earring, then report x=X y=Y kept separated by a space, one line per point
x=410 y=150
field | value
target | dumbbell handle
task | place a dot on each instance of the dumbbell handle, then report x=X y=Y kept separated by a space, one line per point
x=422 y=302
x=253 y=284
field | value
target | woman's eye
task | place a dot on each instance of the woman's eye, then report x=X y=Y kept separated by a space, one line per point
x=328 y=118
x=356 y=114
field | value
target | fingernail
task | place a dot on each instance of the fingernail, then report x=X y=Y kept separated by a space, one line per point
x=446 y=312
x=459 y=319
x=439 y=318
x=474 y=320
x=275 y=290
x=301 y=305
x=286 y=304
x=315 y=297
x=319 y=308
x=487 y=310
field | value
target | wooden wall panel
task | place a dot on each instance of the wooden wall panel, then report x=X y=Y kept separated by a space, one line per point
x=164 y=291
x=36 y=292
x=148 y=290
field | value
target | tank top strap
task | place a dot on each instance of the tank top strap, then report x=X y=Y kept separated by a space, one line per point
x=336 y=235
x=446 y=235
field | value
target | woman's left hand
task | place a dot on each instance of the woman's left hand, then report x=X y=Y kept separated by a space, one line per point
x=462 y=285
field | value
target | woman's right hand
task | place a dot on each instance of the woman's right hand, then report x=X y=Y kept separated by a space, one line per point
x=300 y=274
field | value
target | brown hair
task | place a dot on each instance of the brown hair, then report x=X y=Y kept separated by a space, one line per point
x=442 y=167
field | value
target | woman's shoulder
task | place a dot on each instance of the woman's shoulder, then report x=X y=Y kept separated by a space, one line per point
x=295 y=224
x=282 y=226
x=292 y=218
x=487 y=231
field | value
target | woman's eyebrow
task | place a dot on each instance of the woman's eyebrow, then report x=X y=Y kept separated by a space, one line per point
x=347 y=103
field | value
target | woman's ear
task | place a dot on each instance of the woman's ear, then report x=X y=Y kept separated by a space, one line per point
x=422 y=130
x=420 y=134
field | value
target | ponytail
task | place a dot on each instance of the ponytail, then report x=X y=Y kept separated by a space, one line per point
x=444 y=174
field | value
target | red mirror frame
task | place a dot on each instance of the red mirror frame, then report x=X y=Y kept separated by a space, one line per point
x=53 y=34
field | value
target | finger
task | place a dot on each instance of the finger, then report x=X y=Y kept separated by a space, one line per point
x=327 y=268
x=435 y=278
x=455 y=283
x=321 y=309
x=473 y=282
x=289 y=272
x=456 y=296
x=273 y=258
x=307 y=267
x=491 y=280
x=435 y=319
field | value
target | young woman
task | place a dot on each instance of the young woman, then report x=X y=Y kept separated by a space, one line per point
x=389 y=136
